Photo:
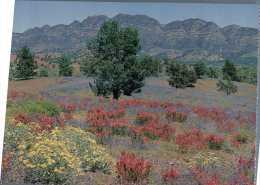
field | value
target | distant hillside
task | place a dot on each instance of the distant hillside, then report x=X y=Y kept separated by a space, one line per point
x=189 y=40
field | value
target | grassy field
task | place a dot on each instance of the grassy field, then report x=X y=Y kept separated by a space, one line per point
x=154 y=124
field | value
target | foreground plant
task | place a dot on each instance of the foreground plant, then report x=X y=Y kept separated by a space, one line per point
x=132 y=169
x=48 y=161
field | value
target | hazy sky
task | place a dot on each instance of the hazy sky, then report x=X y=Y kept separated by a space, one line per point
x=31 y=14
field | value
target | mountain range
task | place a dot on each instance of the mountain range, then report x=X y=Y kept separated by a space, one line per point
x=190 y=39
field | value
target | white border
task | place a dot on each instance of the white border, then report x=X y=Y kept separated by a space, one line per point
x=6 y=22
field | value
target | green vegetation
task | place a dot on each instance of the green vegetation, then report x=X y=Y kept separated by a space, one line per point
x=227 y=87
x=88 y=66
x=118 y=72
x=247 y=74
x=150 y=66
x=181 y=76
x=229 y=71
x=43 y=72
x=25 y=64
x=36 y=107
x=65 y=68
x=200 y=69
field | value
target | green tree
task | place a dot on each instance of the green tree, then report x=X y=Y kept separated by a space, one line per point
x=200 y=69
x=181 y=76
x=89 y=66
x=212 y=72
x=247 y=74
x=227 y=87
x=117 y=71
x=151 y=66
x=25 y=64
x=229 y=71
x=65 y=68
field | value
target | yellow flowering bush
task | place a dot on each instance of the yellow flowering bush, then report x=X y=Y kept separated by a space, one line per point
x=15 y=133
x=82 y=144
x=48 y=161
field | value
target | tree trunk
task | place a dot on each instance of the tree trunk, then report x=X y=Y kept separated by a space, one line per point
x=116 y=95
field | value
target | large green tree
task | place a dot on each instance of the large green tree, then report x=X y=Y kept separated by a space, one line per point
x=115 y=51
x=25 y=64
x=65 y=68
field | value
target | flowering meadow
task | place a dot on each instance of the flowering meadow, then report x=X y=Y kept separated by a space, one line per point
x=53 y=138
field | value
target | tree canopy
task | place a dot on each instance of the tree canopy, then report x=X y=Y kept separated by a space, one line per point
x=115 y=51
x=25 y=64
x=65 y=68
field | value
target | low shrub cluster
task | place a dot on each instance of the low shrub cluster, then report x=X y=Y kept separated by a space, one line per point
x=53 y=156
x=82 y=145
x=132 y=169
x=195 y=140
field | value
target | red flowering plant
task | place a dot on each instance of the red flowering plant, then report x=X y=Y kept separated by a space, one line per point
x=22 y=118
x=132 y=169
x=119 y=126
x=173 y=115
x=152 y=130
x=214 y=142
x=45 y=122
x=144 y=117
x=170 y=176
x=99 y=122
x=189 y=140
x=137 y=136
x=104 y=122
x=68 y=109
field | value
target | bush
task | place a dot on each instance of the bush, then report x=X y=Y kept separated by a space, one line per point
x=190 y=140
x=48 y=161
x=132 y=169
x=93 y=157
x=36 y=107
x=226 y=87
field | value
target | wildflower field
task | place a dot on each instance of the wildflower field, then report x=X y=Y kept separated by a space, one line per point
x=58 y=132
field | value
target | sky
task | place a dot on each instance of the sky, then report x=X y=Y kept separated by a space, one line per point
x=30 y=14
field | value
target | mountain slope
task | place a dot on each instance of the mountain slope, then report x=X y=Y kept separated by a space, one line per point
x=178 y=39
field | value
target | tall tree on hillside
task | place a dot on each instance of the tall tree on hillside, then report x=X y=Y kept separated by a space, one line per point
x=115 y=50
x=25 y=64
x=65 y=68
x=229 y=71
